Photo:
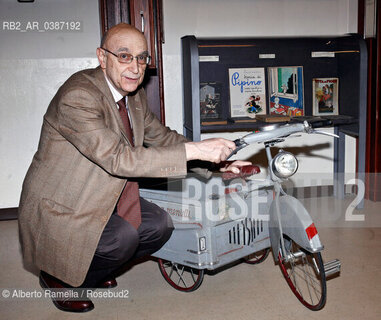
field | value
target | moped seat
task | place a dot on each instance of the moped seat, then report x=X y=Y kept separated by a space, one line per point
x=245 y=171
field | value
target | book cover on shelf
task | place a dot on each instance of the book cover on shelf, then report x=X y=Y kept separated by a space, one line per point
x=247 y=92
x=286 y=91
x=325 y=95
x=210 y=101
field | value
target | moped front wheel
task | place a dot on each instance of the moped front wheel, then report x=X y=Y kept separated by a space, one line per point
x=304 y=273
x=180 y=277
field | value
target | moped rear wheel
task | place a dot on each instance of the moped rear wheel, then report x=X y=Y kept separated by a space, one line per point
x=304 y=273
x=257 y=257
x=180 y=277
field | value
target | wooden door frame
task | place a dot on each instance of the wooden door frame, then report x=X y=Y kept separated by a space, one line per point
x=373 y=147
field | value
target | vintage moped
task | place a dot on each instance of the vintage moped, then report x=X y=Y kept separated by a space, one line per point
x=230 y=217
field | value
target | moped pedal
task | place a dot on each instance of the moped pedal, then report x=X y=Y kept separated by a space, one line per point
x=332 y=267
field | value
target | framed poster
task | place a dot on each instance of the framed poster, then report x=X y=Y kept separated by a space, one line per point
x=286 y=91
x=247 y=92
x=210 y=101
x=325 y=95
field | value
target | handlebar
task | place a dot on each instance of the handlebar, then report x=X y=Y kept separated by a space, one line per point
x=275 y=132
x=278 y=132
x=321 y=123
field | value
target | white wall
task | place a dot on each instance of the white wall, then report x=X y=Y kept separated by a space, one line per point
x=242 y=18
x=32 y=66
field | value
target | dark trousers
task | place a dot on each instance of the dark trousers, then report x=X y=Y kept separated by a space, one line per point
x=120 y=242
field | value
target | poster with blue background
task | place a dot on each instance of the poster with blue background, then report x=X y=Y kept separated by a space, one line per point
x=286 y=91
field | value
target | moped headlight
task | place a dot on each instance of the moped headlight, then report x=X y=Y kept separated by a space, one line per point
x=284 y=164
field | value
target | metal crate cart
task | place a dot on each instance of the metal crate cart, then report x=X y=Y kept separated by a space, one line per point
x=215 y=222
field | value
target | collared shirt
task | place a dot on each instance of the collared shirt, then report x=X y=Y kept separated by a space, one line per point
x=115 y=93
x=117 y=96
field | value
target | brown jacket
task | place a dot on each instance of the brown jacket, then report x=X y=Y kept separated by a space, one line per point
x=80 y=169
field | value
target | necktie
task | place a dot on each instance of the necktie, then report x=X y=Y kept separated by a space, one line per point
x=128 y=206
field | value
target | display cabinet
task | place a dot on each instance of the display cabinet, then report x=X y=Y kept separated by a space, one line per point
x=208 y=65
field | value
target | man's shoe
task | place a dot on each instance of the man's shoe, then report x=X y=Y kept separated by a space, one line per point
x=63 y=303
x=108 y=284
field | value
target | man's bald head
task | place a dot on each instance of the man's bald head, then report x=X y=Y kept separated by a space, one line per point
x=117 y=30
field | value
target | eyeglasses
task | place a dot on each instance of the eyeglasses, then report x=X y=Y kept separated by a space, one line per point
x=124 y=57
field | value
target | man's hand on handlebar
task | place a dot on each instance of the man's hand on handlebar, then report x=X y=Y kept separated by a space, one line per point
x=213 y=150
